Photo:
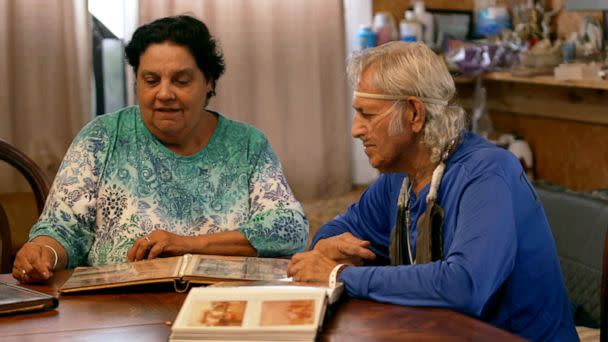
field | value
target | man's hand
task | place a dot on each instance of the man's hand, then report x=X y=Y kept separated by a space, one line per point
x=33 y=263
x=310 y=266
x=157 y=243
x=345 y=249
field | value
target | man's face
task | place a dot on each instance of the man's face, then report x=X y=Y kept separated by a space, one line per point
x=171 y=90
x=371 y=123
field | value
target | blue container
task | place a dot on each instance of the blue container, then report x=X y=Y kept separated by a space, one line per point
x=568 y=51
x=491 y=21
x=365 y=38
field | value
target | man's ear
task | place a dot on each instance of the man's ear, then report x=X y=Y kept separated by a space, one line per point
x=418 y=117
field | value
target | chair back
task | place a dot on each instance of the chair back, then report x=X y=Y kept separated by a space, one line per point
x=5 y=236
x=604 y=298
x=40 y=187
x=579 y=222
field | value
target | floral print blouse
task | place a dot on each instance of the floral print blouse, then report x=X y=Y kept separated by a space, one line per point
x=118 y=182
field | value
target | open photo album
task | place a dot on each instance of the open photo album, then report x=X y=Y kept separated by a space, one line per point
x=182 y=271
x=251 y=313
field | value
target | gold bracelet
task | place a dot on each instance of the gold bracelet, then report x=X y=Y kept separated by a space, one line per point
x=52 y=250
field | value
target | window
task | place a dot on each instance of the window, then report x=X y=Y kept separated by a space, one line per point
x=113 y=22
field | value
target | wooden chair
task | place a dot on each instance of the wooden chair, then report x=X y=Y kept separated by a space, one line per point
x=5 y=236
x=40 y=187
x=604 y=295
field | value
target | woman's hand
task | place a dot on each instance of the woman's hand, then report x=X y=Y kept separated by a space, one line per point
x=345 y=249
x=162 y=243
x=157 y=243
x=33 y=263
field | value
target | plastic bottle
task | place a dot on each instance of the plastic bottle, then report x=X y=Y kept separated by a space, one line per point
x=365 y=37
x=481 y=122
x=384 y=27
x=410 y=28
x=428 y=25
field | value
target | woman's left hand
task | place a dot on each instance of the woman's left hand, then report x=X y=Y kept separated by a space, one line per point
x=157 y=243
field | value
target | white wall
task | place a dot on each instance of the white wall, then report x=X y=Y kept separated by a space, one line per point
x=356 y=13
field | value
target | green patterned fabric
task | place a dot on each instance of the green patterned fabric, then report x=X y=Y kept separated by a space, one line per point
x=117 y=183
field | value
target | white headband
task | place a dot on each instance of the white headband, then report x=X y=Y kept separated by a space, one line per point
x=399 y=97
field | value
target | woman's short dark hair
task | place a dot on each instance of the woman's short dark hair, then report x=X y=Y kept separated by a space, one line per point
x=182 y=30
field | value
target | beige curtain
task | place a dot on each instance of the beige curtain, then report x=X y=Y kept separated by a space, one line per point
x=45 y=80
x=284 y=75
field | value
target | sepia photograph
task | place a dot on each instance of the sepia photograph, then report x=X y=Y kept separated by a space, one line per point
x=287 y=312
x=221 y=313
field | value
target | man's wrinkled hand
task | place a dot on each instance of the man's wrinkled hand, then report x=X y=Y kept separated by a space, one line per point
x=310 y=266
x=345 y=249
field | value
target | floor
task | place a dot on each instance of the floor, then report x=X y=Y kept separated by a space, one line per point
x=321 y=211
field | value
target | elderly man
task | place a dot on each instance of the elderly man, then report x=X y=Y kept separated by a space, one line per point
x=452 y=221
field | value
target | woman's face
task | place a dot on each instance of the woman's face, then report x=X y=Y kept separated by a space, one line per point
x=172 y=92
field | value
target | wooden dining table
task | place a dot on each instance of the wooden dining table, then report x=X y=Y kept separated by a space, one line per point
x=146 y=314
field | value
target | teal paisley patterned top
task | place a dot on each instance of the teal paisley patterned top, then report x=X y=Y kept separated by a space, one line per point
x=118 y=182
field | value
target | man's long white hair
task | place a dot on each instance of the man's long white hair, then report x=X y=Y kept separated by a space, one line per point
x=412 y=69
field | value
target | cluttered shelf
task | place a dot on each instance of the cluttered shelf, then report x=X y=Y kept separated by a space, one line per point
x=562 y=115
x=581 y=101
x=540 y=80
x=562 y=121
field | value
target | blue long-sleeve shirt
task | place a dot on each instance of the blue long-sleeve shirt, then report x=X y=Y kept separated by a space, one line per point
x=500 y=264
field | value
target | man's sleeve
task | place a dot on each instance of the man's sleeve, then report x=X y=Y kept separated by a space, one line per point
x=367 y=219
x=480 y=258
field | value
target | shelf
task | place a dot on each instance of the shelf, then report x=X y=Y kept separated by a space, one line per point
x=540 y=80
x=540 y=96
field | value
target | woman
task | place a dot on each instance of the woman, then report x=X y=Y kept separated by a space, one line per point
x=452 y=222
x=168 y=177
